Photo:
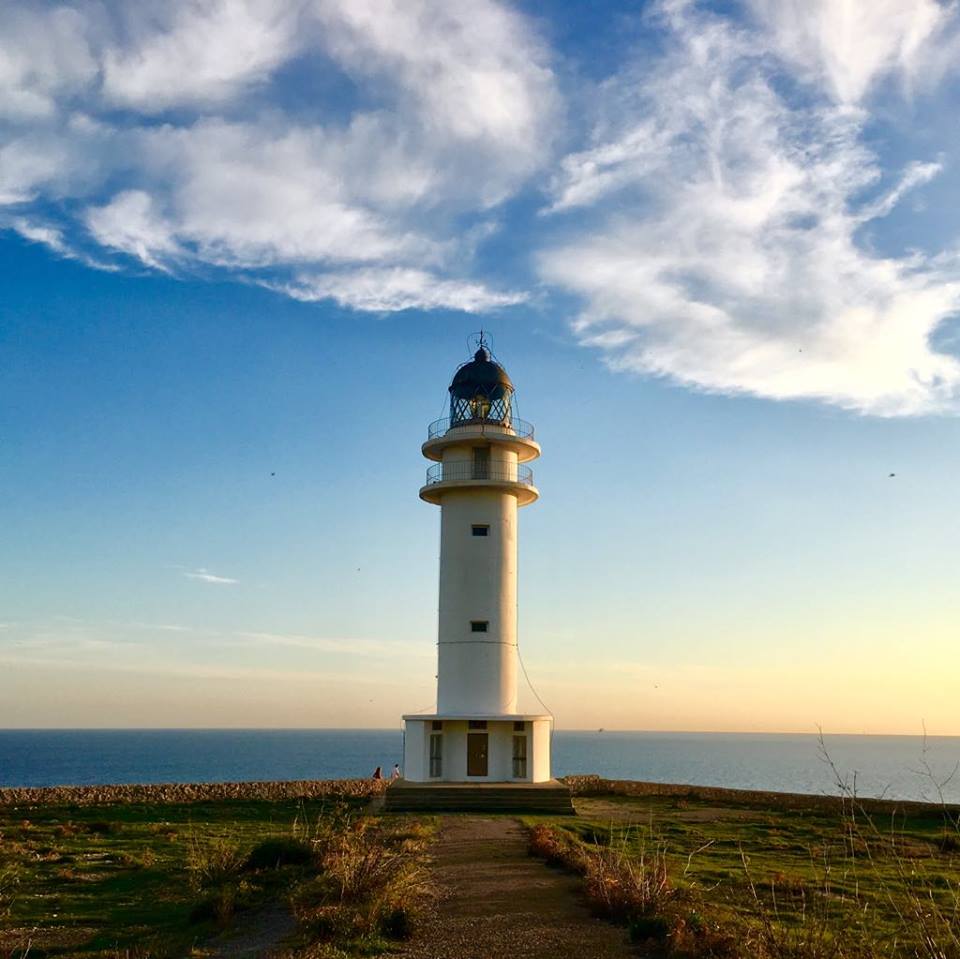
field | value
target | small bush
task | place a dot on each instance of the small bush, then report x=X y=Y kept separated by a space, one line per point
x=397 y=922
x=213 y=863
x=219 y=906
x=649 y=929
x=558 y=848
x=101 y=828
x=274 y=853
x=626 y=887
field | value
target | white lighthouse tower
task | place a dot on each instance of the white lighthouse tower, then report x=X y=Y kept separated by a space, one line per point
x=479 y=480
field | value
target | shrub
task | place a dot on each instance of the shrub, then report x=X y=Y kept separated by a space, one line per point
x=212 y=863
x=557 y=847
x=370 y=884
x=626 y=887
x=397 y=922
x=101 y=828
x=649 y=929
x=274 y=853
x=219 y=906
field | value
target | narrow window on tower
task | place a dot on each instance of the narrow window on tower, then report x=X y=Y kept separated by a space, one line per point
x=479 y=625
x=481 y=462
x=480 y=530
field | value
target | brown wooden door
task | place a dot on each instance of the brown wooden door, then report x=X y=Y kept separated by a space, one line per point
x=476 y=754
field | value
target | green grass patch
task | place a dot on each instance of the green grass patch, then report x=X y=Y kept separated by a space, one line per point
x=143 y=879
x=788 y=882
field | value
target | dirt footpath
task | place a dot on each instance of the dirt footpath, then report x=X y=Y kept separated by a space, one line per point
x=496 y=902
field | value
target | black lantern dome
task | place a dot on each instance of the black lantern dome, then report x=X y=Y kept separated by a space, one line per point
x=480 y=392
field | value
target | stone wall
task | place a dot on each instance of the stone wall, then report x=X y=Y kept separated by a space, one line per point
x=190 y=792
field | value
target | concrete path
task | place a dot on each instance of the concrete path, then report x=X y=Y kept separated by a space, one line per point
x=499 y=903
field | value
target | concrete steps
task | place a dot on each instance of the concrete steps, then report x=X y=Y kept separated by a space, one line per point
x=552 y=798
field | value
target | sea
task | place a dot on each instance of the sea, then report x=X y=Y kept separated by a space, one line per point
x=897 y=767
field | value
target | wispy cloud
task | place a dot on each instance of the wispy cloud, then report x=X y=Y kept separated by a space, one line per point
x=205 y=576
x=725 y=249
x=396 y=289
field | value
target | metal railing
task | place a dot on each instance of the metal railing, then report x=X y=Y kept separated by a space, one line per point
x=500 y=473
x=512 y=427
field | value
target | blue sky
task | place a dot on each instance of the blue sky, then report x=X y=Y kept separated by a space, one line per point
x=243 y=246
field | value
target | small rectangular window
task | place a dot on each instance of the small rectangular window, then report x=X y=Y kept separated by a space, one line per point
x=480 y=530
x=479 y=625
x=519 y=726
x=477 y=723
x=436 y=725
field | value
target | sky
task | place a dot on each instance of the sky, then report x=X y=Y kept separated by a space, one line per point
x=244 y=245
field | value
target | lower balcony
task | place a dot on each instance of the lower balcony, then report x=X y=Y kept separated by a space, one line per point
x=516 y=479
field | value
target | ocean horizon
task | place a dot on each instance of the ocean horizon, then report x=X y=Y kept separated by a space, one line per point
x=897 y=767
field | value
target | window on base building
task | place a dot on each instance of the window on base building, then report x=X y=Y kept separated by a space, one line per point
x=479 y=625
x=436 y=755
x=479 y=530
x=519 y=757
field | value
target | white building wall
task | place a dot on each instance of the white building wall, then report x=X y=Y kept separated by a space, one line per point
x=477 y=672
x=415 y=751
x=539 y=750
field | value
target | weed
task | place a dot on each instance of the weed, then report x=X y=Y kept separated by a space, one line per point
x=9 y=882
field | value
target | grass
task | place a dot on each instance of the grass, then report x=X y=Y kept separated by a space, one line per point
x=702 y=878
x=148 y=880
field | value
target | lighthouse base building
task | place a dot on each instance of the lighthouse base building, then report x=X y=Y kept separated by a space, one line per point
x=477 y=735
x=459 y=749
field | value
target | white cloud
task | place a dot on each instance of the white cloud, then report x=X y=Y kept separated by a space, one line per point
x=44 y=56
x=39 y=233
x=389 y=290
x=436 y=111
x=205 y=576
x=197 y=52
x=130 y=223
x=474 y=75
x=850 y=45
x=727 y=254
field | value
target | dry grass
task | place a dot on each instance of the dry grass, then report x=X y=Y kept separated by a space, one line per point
x=213 y=862
x=629 y=886
x=371 y=884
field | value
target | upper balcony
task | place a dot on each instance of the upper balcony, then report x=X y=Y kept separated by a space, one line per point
x=514 y=479
x=513 y=434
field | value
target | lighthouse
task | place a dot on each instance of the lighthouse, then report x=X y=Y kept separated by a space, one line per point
x=479 y=479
